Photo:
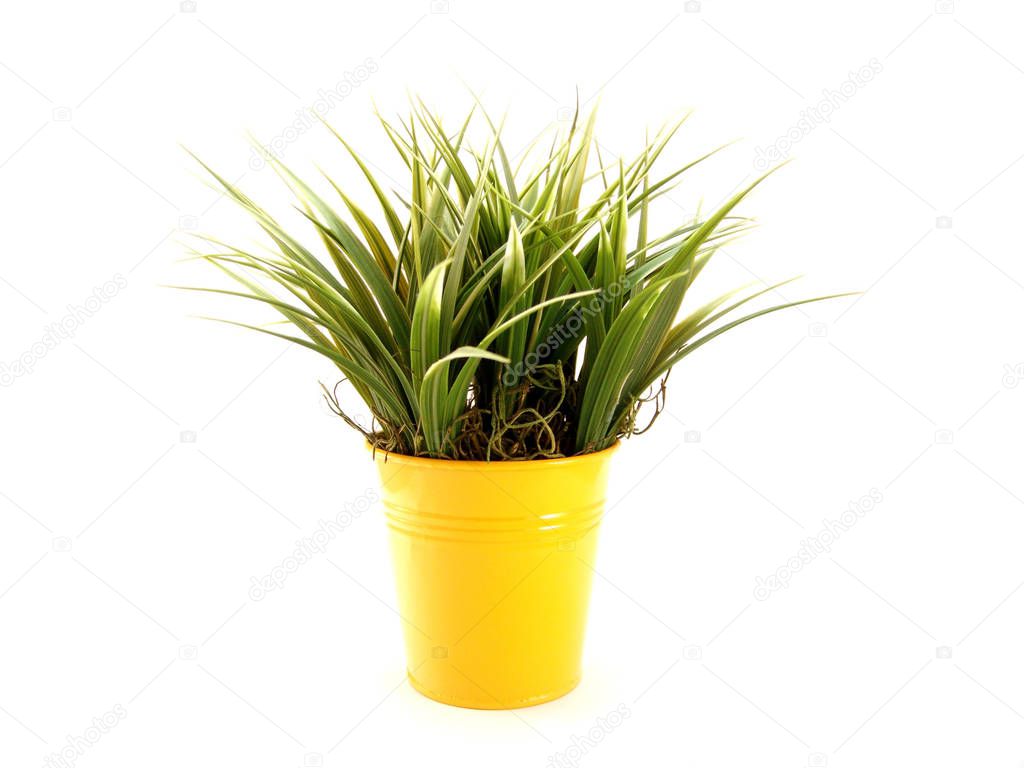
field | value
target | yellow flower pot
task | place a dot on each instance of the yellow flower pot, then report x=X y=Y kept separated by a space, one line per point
x=493 y=571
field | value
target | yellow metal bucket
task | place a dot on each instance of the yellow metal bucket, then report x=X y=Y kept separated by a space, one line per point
x=493 y=571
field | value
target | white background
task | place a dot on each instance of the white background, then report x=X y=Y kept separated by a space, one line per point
x=127 y=547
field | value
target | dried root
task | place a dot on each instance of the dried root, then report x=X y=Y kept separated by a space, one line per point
x=534 y=419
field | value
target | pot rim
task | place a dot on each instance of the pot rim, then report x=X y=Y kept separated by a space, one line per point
x=500 y=465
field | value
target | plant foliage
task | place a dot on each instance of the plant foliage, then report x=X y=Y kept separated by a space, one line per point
x=495 y=313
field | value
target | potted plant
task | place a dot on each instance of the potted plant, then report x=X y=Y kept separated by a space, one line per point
x=505 y=330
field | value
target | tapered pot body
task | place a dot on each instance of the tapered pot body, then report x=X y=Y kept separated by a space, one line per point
x=493 y=567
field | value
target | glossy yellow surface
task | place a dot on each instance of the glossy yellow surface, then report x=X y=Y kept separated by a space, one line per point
x=493 y=566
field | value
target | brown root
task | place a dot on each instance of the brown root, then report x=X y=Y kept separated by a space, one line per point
x=534 y=419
